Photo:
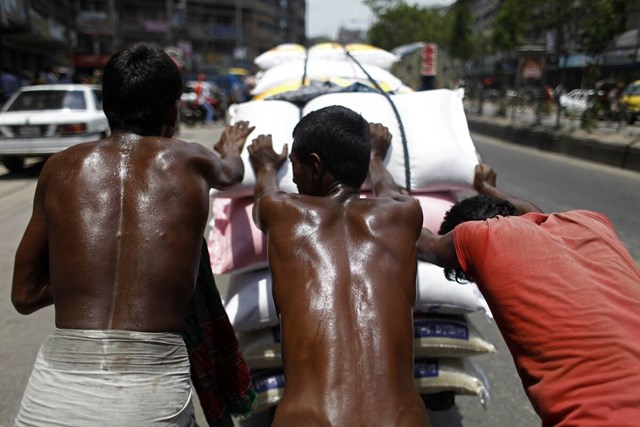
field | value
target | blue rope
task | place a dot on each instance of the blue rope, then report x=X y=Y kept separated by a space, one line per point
x=405 y=147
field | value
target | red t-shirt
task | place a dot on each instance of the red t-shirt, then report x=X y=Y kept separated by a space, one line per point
x=565 y=294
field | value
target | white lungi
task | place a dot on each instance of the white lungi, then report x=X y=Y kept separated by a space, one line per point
x=109 y=378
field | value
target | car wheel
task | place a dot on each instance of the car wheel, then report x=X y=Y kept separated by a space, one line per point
x=13 y=163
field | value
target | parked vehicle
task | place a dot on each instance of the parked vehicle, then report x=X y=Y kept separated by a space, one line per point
x=38 y=121
x=630 y=102
x=191 y=113
x=577 y=101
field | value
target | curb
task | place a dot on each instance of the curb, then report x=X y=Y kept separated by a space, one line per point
x=624 y=155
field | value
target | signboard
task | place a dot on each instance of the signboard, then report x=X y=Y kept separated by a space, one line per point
x=94 y=22
x=155 y=26
x=90 y=61
x=531 y=69
x=430 y=60
x=224 y=32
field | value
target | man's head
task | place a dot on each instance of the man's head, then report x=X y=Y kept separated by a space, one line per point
x=475 y=208
x=141 y=88
x=334 y=138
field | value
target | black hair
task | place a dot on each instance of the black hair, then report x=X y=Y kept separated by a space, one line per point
x=476 y=208
x=140 y=85
x=340 y=137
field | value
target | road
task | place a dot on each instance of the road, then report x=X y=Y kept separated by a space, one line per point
x=553 y=182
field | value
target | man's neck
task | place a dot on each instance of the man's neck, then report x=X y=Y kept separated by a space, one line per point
x=341 y=191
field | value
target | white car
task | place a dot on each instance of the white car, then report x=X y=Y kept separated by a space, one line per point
x=577 y=101
x=38 y=121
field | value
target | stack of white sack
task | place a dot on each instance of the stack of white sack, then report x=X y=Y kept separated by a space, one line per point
x=364 y=53
x=251 y=309
x=440 y=153
x=252 y=312
x=285 y=66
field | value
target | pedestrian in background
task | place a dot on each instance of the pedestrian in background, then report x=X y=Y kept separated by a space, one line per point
x=9 y=83
x=202 y=90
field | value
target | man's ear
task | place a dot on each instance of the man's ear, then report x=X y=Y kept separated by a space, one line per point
x=317 y=166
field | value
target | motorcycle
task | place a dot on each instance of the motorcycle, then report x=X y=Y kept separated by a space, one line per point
x=191 y=114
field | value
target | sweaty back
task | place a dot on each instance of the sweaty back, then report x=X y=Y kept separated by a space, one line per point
x=344 y=284
x=119 y=211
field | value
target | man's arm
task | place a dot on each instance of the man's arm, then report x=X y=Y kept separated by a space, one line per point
x=381 y=180
x=228 y=167
x=438 y=250
x=265 y=163
x=31 y=290
x=484 y=181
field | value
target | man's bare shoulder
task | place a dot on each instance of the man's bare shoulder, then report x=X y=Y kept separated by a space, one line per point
x=282 y=200
x=399 y=201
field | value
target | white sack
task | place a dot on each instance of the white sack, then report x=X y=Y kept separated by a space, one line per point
x=436 y=294
x=441 y=153
x=364 y=53
x=461 y=376
x=323 y=69
x=262 y=348
x=249 y=302
x=277 y=118
x=280 y=54
x=447 y=336
x=269 y=387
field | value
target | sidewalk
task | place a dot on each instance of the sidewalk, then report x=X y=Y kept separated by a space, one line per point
x=610 y=144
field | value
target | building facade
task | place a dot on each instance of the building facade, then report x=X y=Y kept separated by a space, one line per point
x=200 y=34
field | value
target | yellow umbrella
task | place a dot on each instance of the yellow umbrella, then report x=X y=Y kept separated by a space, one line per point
x=239 y=71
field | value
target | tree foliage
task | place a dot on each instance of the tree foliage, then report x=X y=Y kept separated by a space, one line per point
x=403 y=24
x=578 y=26
x=509 y=26
x=601 y=22
x=378 y=7
x=461 y=41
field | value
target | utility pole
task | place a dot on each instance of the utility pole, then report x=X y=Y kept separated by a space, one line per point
x=239 y=50
x=113 y=21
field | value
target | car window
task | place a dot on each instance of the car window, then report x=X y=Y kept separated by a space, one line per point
x=48 y=100
x=97 y=97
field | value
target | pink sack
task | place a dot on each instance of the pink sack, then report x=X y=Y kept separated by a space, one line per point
x=434 y=206
x=235 y=243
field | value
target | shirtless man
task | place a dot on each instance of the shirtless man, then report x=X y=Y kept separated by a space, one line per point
x=565 y=294
x=344 y=272
x=114 y=243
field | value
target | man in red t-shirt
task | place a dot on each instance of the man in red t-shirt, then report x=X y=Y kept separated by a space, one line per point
x=565 y=294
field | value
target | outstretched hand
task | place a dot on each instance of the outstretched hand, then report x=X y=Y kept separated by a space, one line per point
x=233 y=138
x=263 y=156
x=380 y=140
x=484 y=177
